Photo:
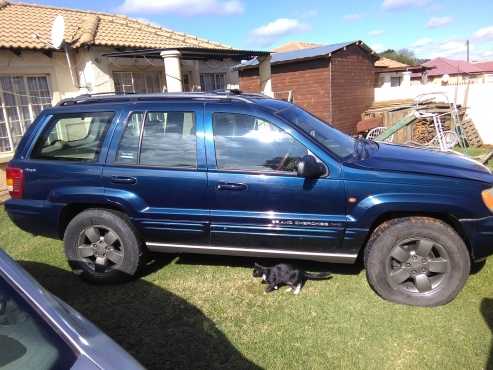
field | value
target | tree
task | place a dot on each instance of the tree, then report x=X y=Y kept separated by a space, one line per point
x=405 y=56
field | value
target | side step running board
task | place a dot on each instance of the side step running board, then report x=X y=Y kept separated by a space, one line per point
x=252 y=252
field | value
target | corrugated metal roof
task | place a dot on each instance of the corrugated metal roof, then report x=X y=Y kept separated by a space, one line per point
x=310 y=53
x=484 y=66
x=295 y=45
x=443 y=66
x=191 y=53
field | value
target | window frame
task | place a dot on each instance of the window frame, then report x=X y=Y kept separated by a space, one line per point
x=50 y=123
x=394 y=79
x=215 y=76
x=133 y=75
x=145 y=112
x=259 y=172
x=19 y=105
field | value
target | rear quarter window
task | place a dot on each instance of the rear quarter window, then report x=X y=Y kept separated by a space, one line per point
x=73 y=137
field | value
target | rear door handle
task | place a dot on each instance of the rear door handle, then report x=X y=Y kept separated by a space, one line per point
x=231 y=186
x=123 y=180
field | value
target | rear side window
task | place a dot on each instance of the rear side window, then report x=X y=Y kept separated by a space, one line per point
x=75 y=137
x=168 y=140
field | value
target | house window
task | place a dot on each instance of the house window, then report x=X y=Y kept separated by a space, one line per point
x=22 y=98
x=395 y=81
x=138 y=82
x=212 y=81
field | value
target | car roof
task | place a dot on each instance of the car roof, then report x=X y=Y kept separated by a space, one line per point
x=221 y=95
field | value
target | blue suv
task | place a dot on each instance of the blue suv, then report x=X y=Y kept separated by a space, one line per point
x=237 y=174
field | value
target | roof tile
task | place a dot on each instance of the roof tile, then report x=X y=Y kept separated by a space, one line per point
x=29 y=26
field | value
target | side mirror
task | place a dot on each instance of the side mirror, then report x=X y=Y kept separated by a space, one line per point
x=309 y=167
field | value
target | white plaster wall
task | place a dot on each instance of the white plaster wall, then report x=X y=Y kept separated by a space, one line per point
x=37 y=63
x=479 y=101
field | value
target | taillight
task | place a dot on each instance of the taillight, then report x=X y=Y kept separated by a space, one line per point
x=15 y=182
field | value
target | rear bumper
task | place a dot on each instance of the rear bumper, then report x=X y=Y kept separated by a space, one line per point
x=480 y=235
x=35 y=217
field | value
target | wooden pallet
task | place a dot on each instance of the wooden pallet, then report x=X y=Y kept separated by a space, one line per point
x=471 y=133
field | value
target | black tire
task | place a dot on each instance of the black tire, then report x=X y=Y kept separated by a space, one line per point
x=428 y=250
x=91 y=231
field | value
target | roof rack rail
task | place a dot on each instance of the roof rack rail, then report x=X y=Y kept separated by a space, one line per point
x=115 y=97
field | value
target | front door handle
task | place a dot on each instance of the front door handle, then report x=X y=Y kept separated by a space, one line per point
x=123 y=180
x=231 y=186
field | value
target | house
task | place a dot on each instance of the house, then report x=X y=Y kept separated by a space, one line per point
x=487 y=70
x=391 y=73
x=102 y=52
x=334 y=82
x=444 y=71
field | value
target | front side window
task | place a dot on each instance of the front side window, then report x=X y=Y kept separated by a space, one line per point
x=247 y=143
x=335 y=141
x=168 y=140
x=26 y=340
x=74 y=137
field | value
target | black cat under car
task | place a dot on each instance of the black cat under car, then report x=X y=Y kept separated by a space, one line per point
x=285 y=274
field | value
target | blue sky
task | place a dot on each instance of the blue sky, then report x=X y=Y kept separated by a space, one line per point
x=429 y=27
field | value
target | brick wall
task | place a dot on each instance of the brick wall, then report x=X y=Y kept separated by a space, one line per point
x=352 y=85
x=249 y=81
x=309 y=81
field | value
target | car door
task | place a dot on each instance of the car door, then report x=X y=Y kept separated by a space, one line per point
x=156 y=171
x=257 y=202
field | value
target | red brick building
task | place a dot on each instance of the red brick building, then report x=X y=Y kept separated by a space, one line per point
x=334 y=82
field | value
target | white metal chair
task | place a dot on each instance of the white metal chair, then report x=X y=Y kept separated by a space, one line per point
x=376 y=132
x=448 y=140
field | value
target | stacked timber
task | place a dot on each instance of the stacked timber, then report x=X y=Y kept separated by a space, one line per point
x=422 y=129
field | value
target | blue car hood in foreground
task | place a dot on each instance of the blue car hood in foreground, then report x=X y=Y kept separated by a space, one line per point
x=424 y=161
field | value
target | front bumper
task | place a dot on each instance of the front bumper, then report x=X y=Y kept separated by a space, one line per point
x=479 y=233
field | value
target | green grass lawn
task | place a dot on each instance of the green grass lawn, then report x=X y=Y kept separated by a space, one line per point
x=476 y=152
x=208 y=312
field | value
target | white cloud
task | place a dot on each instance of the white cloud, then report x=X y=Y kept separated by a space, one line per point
x=484 y=33
x=422 y=42
x=184 y=7
x=352 y=17
x=454 y=49
x=309 y=13
x=377 y=47
x=436 y=22
x=486 y=54
x=270 y=32
x=402 y=4
x=376 y=33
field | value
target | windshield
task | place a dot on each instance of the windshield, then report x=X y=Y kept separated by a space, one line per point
x=335 y=141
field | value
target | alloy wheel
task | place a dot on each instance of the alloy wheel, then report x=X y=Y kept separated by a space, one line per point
x=100 y=248
x=417 y=265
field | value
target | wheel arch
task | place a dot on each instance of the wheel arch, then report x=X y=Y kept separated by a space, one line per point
x=447 y=218
x=71 y=210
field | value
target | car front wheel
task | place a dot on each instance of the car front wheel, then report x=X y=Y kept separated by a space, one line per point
x=417 y=261
x=102 y=246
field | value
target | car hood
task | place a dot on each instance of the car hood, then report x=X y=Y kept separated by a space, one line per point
x=424 y=161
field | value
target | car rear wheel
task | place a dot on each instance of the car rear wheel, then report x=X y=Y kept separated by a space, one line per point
x=102 y=246
x=417 y=261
